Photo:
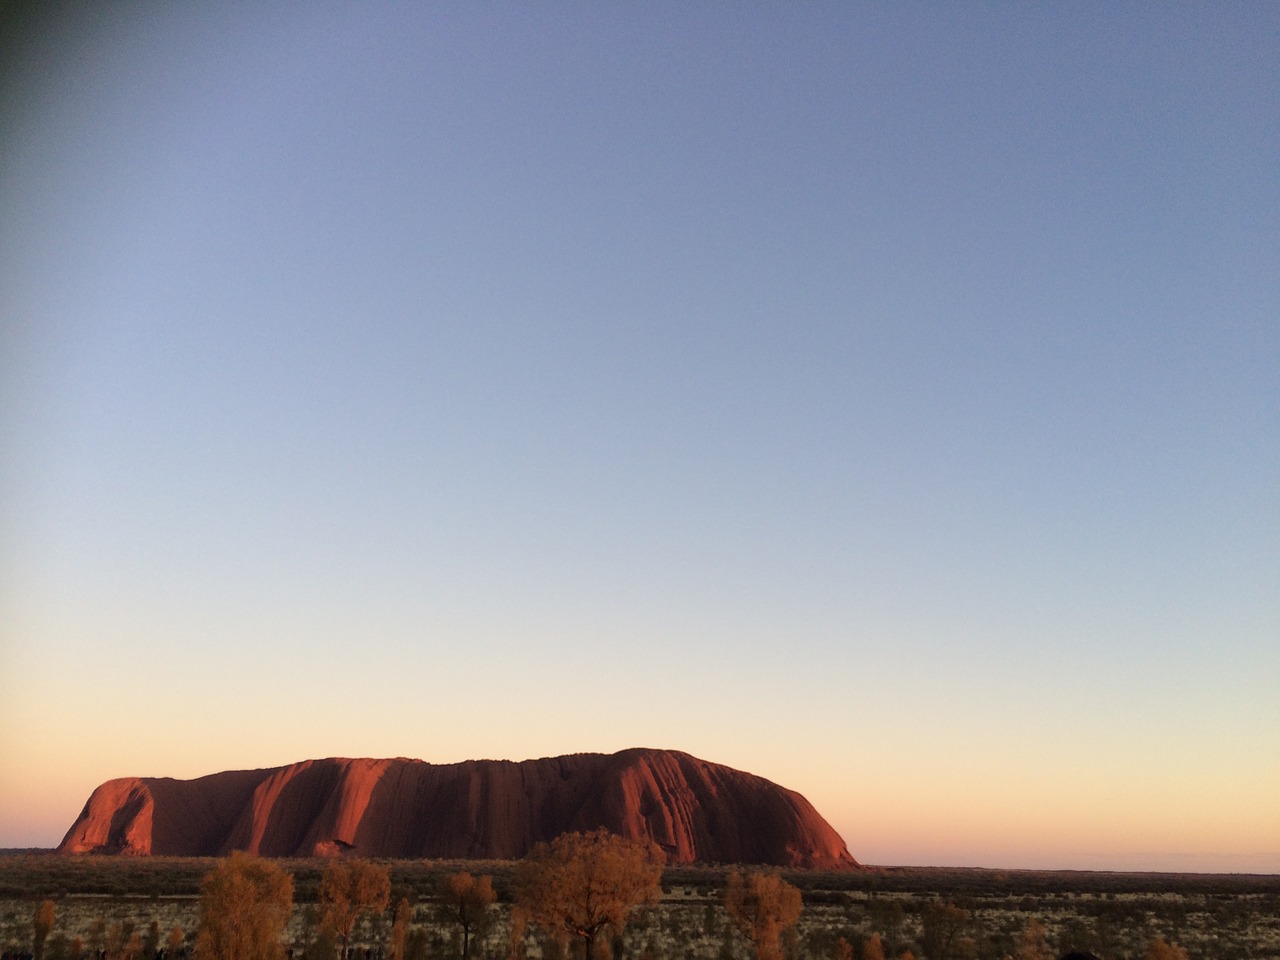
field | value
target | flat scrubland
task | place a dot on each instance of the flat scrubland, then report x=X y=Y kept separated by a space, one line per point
x=937 y=914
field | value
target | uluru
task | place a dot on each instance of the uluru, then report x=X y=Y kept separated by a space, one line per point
x=697 y=811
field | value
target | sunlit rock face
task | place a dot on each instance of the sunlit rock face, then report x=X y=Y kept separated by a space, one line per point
x=479 y=809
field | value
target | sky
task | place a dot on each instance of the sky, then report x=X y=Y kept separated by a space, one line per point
x=880 y=398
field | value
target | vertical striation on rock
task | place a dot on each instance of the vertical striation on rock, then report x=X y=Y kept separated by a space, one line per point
x=478 y=809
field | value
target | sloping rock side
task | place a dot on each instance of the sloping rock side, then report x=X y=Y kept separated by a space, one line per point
x=479 y=809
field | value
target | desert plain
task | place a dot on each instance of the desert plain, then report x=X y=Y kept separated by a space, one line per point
x=934 y=913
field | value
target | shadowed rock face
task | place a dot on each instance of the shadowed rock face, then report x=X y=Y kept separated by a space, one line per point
x=479 y=809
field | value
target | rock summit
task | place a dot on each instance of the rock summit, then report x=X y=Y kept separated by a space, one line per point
x=478 y=809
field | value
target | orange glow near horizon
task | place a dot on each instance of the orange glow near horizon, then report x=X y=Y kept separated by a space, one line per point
x=953 y=824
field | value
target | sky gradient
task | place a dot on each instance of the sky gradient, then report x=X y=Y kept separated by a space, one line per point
x=884 y=399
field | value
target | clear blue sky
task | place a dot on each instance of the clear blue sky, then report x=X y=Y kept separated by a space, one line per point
x=883 y=398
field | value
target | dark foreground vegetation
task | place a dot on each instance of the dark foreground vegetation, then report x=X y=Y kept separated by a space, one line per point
x=63 y=908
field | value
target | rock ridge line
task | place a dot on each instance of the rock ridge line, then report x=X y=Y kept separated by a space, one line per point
x=697 y=811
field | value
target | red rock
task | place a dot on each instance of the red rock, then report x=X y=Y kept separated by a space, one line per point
x=479 y=809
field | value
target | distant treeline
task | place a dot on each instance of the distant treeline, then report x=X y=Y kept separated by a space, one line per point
x=45 y=874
